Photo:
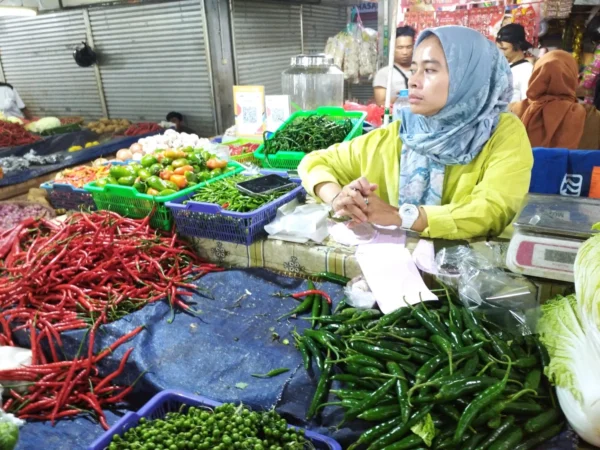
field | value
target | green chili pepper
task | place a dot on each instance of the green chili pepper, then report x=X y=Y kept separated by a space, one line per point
x=306 y=305
x=540 y=438
x=347 y=378
x=400 y=430
x=314 y=351
x=430 y=323
x=508 y=440
x=272 y=373
x=542 y=421
x=473 y=441
x=334 y=277
x=532 y=380
x=304 y=352
x=370 y=401
x=459 y=388
x=377 y=352
x=376 y=432
x=494 y=435
x=316 y=310
x=401 y=389
x=379 y=413
x=482 y=400
x=473 y=325
x=321 y=392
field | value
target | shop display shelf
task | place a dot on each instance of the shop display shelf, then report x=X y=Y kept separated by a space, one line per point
x=128 y=202
x=290 y=160
x=176 y=401
x=211 y=221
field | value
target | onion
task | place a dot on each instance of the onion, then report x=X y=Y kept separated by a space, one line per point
x=136 y=148
x=124 y=154
x=99 y=162
x=137 y=156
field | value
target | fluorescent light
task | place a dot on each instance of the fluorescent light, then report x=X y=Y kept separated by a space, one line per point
x=17 y=11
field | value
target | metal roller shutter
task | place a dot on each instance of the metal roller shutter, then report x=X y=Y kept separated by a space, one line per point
x=266 y=36
x=37 y=58
x=320 y=22
x=155 y=61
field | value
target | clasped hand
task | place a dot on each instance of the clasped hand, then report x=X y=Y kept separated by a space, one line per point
x=358 y=201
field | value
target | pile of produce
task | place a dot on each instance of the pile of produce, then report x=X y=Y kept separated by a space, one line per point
x=137 y=129
x=114 y=126
x=76 y=148
x=570 y=329
x=61 y=389
x=57 y=277
x=307 y=134
x=82 y=175
x=31 y=158
x=227 y=427
x=12 y=213
x=224 y=193
x=44 y=124
x=11 y=119
x=172 y=139
x=14 y=135
x=166 y=172
x=242 y=149
x=434 y=375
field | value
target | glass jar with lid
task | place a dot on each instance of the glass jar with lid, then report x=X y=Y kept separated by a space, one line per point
x=312 y=81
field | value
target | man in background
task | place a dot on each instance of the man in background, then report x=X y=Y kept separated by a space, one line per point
x=177 y=119
x=400 y=71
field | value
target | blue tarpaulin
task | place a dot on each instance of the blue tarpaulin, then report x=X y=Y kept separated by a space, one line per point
x=59 y=145
x=236 y=335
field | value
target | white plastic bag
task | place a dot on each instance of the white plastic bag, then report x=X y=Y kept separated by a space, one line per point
x=358 y=293
x=13 y=358
x=299 y=223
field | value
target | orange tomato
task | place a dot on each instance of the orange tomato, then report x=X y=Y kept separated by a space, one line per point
x=166 y=174
x=159 y=156
x=179 y=180
x=182 y=170
x=214 y=163
x=152 y=191
x=174 y=154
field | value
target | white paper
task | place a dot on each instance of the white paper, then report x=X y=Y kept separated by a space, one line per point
x=392 y=276
x=365 y=233
x=299 y=223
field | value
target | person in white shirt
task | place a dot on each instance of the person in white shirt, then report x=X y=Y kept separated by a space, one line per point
x=403 y=52
x=11 y=104
x=512 y=42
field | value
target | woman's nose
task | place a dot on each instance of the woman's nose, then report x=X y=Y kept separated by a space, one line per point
x=415 y=81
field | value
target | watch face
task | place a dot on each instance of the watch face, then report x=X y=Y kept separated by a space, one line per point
x=409 y=211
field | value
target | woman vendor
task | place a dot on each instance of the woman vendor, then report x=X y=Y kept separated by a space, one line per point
x=455 y=165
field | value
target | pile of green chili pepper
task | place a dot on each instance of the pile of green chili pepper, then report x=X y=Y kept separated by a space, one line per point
x=307 y=134
x=436 y=366
x=225 y=194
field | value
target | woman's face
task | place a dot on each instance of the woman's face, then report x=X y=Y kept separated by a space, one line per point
x=430 y=80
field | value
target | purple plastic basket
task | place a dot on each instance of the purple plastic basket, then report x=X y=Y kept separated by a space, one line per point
x=207 y=220
x=66 y=196
x=171 y=401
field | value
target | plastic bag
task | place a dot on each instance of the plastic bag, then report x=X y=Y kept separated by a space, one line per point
x=507 y=299
x=300 y=223
x=13 y=358
x=368 y=53
x=358 y=293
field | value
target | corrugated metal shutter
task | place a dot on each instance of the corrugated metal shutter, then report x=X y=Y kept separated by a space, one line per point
x=155 y=61
x=320 y=22
x=362 y=92
x=266 y=36
x=37 y=58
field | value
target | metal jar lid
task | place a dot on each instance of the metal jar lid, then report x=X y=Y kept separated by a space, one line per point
x=312 y=60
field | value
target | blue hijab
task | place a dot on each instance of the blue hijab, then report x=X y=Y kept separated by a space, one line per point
x=480 y=89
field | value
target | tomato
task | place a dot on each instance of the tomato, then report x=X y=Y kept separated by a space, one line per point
x=166 y=174
x=174 y=154
x=182 y=170
x=179 y=180
x=214 y=163
x=152 y=191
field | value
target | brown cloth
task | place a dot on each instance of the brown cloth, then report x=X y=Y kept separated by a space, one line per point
x=551 y=114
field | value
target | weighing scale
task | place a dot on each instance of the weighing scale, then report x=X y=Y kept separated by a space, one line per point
x=548 y=234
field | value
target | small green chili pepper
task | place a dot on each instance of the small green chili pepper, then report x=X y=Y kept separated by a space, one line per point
x=272 y=373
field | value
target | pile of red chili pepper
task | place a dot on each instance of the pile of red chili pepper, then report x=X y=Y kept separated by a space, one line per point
x=242 y=149
x=14 y=134
x=64 y=389
x=89 y=270
x=142 y=128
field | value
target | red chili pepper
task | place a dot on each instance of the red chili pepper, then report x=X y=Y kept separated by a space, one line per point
x=312 y=292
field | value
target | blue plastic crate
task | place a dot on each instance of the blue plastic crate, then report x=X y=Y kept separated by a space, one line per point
x=207 y=220
x=171 y=401
x=66 y=196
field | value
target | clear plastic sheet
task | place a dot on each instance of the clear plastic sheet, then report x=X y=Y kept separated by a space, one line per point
x=507 y=299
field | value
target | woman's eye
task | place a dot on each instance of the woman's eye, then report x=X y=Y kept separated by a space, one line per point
x=430 y=71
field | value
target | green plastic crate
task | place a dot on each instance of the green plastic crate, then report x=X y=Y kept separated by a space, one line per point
x=128 y=202
x=245 y=158
x=291 y=160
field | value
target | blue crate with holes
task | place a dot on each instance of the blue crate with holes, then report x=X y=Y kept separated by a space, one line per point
x=177 y=401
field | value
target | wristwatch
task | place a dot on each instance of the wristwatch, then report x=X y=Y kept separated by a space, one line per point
x=409 y=214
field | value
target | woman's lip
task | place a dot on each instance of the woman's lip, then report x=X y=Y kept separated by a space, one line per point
x=414 y=99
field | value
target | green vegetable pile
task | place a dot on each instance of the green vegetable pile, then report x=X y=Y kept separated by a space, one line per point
x=225 y=194
x=436 y=375
x=9 y=435
x=166 y=172
x=307 y=134
x=227 y=427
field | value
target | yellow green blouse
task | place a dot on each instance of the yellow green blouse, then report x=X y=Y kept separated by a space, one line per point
x=479 y=199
